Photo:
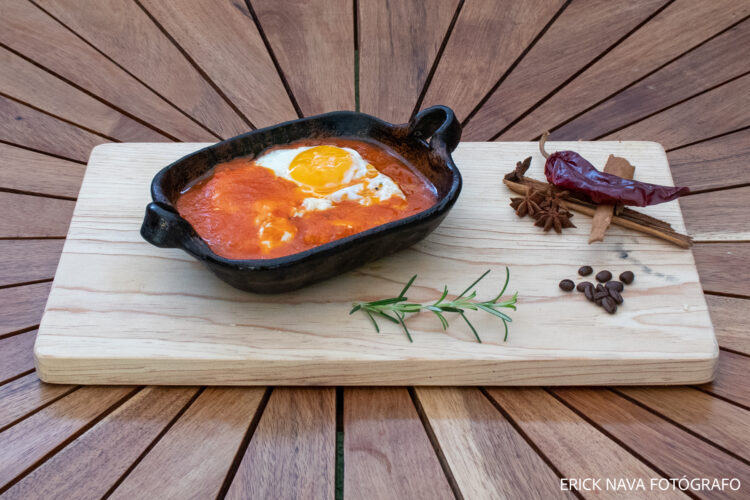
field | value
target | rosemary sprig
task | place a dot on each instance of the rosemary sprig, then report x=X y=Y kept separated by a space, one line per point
x=395 y=309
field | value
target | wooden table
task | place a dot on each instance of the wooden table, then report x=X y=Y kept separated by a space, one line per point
x=74 y=75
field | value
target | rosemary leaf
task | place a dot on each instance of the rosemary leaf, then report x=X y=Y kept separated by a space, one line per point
x=474 y=330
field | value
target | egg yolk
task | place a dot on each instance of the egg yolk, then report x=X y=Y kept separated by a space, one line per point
x=321 y=167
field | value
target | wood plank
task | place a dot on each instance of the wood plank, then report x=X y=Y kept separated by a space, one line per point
x=158 y=316
x=89 y=466
x=25 y=170
x=720 y=422
x=22 y=306
x=656 y=43
x=124 y=32
x=24 y=395
x=726 y=158
x=28 y=260
x=575 y=447
x=731 y=378
x=28 y=30
x=715 y=112
x=16 y=355
x=31 y=84
x=223 y=40
x=707 y=66
x=387 y=453
x=718 y=215
x=314 y=44
x=31 y=128
x=723 y=267
x=292 y=453
x=33 y=216
x=184 y=463
x=487 y=456
x=674 y=451
x=31 y=440
x=567 y=46
x=394 y=57
x=730 y=317
x=487 y=39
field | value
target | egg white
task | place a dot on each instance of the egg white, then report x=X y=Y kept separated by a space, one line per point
x=279 y=160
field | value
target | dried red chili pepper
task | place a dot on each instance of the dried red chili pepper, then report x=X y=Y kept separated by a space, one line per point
x=569 y=170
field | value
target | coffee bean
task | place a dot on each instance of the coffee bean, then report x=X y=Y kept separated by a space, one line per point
x=627 y=277
x=567 y=285
x=589 y=293
x=585 y=270
x=609 y=305
x=615 y=295
x=603 y=276
x=583 y=285
x=600 y=293
x=614 y=285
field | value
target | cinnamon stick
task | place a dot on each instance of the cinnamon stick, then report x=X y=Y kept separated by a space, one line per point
x=603 y=214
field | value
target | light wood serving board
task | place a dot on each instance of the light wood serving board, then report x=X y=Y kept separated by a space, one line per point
x=124 y=312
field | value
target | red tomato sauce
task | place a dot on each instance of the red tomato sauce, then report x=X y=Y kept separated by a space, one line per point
x=241 y=207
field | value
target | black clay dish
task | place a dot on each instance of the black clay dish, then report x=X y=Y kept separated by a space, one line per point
x=163 y=226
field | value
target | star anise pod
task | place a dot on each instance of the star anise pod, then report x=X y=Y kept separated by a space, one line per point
x=528 y=204
x=554 y=198
x=554 y=218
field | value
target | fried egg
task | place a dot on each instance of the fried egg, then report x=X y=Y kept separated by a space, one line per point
x=329 y=175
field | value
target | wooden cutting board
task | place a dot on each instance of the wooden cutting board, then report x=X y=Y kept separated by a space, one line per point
x=124 y=312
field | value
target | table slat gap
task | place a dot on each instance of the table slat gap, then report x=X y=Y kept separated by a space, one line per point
x=153 y=443
x=126 y=70
x=623 y=393
x=39 y=460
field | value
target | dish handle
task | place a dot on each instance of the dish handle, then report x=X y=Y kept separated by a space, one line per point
x=163 y=227
x=438 y=123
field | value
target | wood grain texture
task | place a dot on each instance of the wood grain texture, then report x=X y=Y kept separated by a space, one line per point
x=395 y=55
x=718 y=215
x=223 y=40
x=24 y=170
x=314 y=43
x=662 y=39
x=559 y=433
x=90 y=465
x=28 y=260
x=28 y=30
x=26 y=394
x=566 y=47
x=27 y=443
x=723 y=267
x=219 y=335
x=387 y=453
x=33 y=129
x=712 y=113
x=192 y=459
x=22 y=306
x=16 y=355
x=731 y=378
x=712 y=164
x=656 y=440
x=292 y=452
x=720 y=422
x=489 y=36
x=487 y=456
x=697 y=71
x=33 y=216
x=29 y=83
x=125 y=33
x=730 y=317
